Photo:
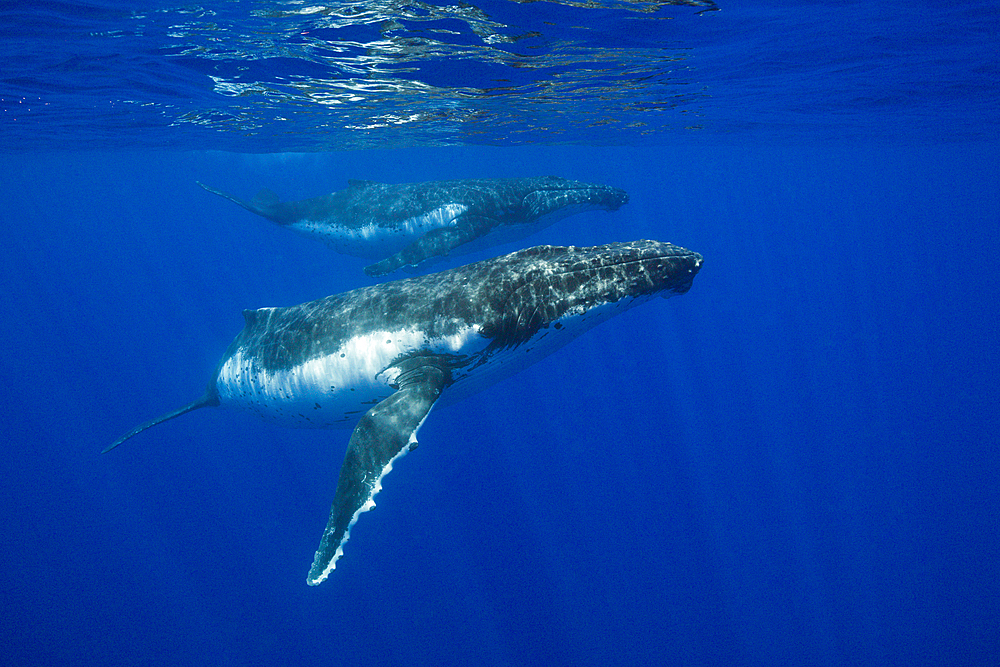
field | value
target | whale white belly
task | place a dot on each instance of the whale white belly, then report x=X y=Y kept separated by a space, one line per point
x=377 y=241
x=334 y=390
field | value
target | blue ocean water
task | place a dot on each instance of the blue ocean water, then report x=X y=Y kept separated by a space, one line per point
x=794 y=463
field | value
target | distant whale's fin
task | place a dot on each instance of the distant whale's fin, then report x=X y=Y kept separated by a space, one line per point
x=435 y=243
x=265 y=204
x=209 y=400
x=386 y=432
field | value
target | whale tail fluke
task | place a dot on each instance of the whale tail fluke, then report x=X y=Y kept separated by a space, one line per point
x=265 y=204
x=207 y=401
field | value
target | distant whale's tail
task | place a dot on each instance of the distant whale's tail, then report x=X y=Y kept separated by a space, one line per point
x=209 y=400
x=265 y=204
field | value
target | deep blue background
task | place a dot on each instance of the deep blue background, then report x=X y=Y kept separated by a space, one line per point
x=795 y=463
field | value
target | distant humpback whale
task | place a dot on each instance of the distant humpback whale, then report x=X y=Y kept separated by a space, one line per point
x=410 y=223
x=387 y=353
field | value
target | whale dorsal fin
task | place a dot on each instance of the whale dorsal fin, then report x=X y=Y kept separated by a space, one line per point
x=250 y=317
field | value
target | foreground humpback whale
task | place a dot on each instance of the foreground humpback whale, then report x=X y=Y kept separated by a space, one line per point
x=390 y=352
x=410 y=223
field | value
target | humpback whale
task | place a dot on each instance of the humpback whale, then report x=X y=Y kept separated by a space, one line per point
x=379 y=358
x=408 y=224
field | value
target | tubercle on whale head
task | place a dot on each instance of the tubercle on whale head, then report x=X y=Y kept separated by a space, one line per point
x=612 y=198
x=612 y=271
x=685 y=279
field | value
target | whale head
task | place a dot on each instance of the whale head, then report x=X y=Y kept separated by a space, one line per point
x=549 y=288
x=552 y=198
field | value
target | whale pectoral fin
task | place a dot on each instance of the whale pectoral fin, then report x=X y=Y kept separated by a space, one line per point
x=436 y=242
x=385 y=433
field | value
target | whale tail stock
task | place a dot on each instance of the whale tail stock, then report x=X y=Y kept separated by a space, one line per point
x=209 y=400
x=265 y=203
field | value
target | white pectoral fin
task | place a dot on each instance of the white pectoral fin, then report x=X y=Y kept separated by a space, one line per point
x=385 y=433
x=436 y=242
